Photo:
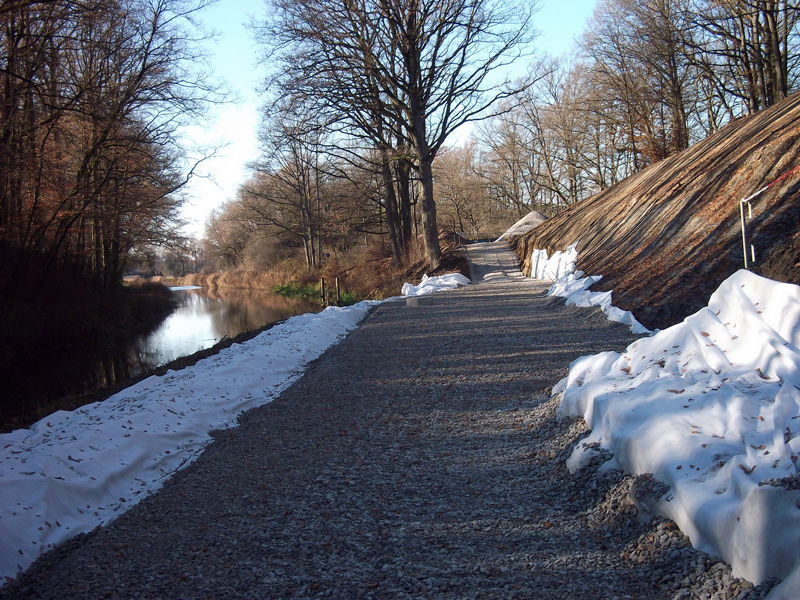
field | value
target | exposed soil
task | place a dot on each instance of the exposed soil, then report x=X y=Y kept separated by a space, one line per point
x=453 y=260
x=666 y=237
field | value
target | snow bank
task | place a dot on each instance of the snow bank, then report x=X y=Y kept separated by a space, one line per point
x=710 y=406
x=524 y=225
x=573 y=286
x=555 y=267
x=429 y=285
x=75 y=470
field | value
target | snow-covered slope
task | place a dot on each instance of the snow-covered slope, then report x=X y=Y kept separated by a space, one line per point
x=710 y=406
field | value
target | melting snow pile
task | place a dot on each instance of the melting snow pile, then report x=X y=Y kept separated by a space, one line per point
x=710 y=406
x=524 y=225
x=75 y=470
x=573 y=286
x=429 y=285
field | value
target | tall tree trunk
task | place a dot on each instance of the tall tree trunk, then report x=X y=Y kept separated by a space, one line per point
x=430 y=229
x=758 y=61
x=308 y=254
x=775 y=57
x=406 y=216
x=97 y=263
x=747 y=65
x=390 y=202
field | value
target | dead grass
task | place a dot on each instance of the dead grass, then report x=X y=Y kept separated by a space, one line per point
x=264 y=279
x=364 y=274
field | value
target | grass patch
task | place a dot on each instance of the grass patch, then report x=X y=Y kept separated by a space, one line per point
x=300 y=291
x=348 y=299
x=312 y=293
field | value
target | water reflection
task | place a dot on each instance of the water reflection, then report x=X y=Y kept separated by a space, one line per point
x=203 y=318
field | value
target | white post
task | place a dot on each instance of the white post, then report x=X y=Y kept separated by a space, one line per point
x=744 y=230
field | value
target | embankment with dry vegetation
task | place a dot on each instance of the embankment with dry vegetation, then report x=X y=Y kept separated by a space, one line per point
x=666 y=237
x=372 y=278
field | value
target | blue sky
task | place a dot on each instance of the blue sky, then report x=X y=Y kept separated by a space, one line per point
x=233 y=57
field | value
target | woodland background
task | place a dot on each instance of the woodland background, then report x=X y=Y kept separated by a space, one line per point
x=360 y=105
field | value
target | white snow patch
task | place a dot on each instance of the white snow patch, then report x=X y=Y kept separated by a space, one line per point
x=710 y=406
x=556 y=267
x=73 y=471
x=524 y=225
x=573 y=286
x=429 y=285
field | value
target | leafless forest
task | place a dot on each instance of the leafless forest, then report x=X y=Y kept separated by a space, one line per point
x=362 y=99
x=92 y=94
x=363 y=95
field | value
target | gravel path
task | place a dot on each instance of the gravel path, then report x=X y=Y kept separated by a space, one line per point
x=420 y=458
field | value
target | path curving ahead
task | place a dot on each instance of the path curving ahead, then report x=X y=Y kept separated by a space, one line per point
x=419 y=458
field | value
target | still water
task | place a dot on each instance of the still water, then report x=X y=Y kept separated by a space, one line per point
x=203 y=318
x=206 y=317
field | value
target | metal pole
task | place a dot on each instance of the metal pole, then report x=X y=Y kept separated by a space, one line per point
x=322 y=287
x=744 y=230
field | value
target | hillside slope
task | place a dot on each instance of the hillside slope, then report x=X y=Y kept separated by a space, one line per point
x=666 y=237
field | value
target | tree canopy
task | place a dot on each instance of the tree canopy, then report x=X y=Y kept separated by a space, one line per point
x=91 y=98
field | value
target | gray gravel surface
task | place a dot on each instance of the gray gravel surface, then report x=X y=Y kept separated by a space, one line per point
x=419 y=458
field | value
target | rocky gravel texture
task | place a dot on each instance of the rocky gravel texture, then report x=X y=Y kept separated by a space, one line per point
x=420 y=458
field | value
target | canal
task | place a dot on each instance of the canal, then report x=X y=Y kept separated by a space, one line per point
x=203 y=318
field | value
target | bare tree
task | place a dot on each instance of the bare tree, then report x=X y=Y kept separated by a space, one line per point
x=748 y=49
x=508 y=164
x=92 y=94
x=640 y=55
x=286 y=191
x=425 y=66
x=228 y=232
x=463 y=195
x=653 y=76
